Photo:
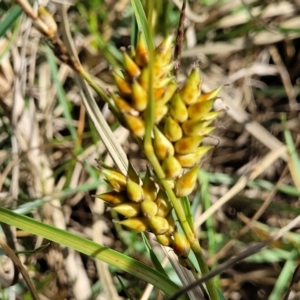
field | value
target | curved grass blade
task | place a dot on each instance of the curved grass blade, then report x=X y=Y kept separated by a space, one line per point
x=91 y=249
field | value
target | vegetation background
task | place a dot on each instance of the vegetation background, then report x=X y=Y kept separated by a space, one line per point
x=48 y=145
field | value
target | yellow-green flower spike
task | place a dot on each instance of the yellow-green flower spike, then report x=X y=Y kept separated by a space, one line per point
x=128 y=209
x=149 y=187
x=186 y=183
x=160 y=111
x=142 y=51
x=114 y=178
x=144 y=78
x=190 y=91
x=158 y=225
x=172 y=130
x=139 y=224
x=163 y=204
x=131 y=68
x=148 y=208
x=191 y=159
x=139 y=96
x=113 y=197
x=122 y=104
x=135 y=124
x=122 y=85
x=165 y=240
x=168 y=92
x=181 y=245
x=171 y=166
x=134 y=191
x=210 y=95
x=188 y=144
x=196 y=127
x=162 y=55
x=162 y=146
x=199 y=110
x=178 y=110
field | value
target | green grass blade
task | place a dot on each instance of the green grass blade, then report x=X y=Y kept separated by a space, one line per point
x=142 y=21
x=91 y=249
x=11 y=18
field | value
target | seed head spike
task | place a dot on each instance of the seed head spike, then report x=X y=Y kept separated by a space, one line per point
x=181 y=245
x=191 y=89
x=122 y=85
x=187 y=144
x=165 y=239
x=139 y=224
x=135 y=192
x=191 y=159
x=131 y=68
x=199 y=110
x=172 y=130
x=113 y=197
x=196 y=127
x=158 y=225
x=139 y=96
x=128 y=209
x=163 y=204
x=148 y=208
x=186 y=183
x=178 y=109
x=162 y=146
x=171 y=166
x=210 y=95
x=142 y=51
x=135 y=124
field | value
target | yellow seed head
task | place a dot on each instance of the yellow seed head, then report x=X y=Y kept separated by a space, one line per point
x=190 y=91
x=172 y=130
x=148 y=208
x=178 y=109
x=113 y=197
x=114 y=178
x=186 y=183
x=199 y=110
x=162 y=146
x=158 y=225
x=139 y=224
x=191 y=159
x=165 y=240
x=210 y=95
x=163 y=204
x=121 y=83
x=135 y=192
x=139 y=96
x=128 y=209
x=160 y=111
x=142 y=51
x=131 y=68
x=196 y=127
x=171 y=166
x=181 y=245
x=187 y=144
x=135 y=124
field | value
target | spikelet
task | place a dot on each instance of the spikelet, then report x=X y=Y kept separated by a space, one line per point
x=139 y=224
x=113 y=197
x=181 y=245
x=158 y=225
x=128 y=209
x=186 y=183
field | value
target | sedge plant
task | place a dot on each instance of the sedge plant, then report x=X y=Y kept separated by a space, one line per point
x=169 y=121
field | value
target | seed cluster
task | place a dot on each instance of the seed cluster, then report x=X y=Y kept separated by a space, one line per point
x=183 y=117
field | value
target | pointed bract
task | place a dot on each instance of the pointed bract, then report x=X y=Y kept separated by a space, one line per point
x=142 y=51
x=113 y=197
x=128 y=209
x=162 y=146
x=196 y=127
x=172 y=130
x=135 y=124
x=199 y=110
x=171 y=167
x=148 y=208
x=131 y=68
x=178 y=109
x=181 y=245
x=187 y=144
x=210 y=95
x=149 y=187
x=186 y=183
x=158 y=225
x=139 y=96
x=163 y=204
x=134 y=191
x=139 y=224
x=122 y=85
x=191 y=159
